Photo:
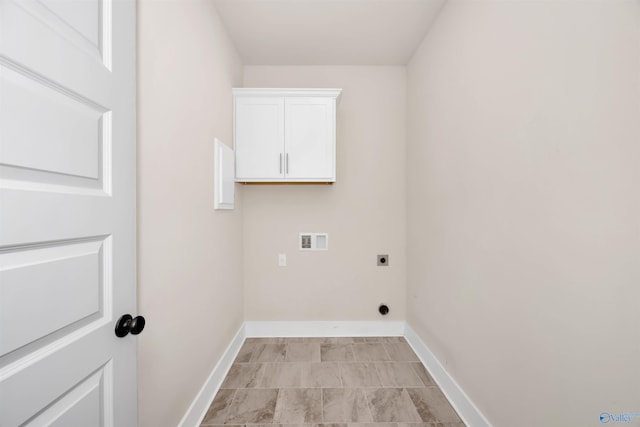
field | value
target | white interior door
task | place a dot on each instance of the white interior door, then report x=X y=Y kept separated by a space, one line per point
x=67 y=212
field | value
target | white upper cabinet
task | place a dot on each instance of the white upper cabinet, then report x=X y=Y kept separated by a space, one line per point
x=259 y=137
x=285 y=135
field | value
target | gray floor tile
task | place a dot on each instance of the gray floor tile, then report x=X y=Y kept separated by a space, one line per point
x=280 y=375
x=345 y=405
x=367 y=339
x=432 y=405
x=325 y=374
x=391 y=405
x=252 y=406
x=372 y=424
x=279 y=425
x=243 y=375
x=370 y=352
x=345 y=374
x=307 y=340
x=303 y=352
x=401 y=352
x=422 y=372
x=398 y=374
x=341 y=340
x=395 y=339
x=336 y=353
x=244 y=355
x=288 y=340
x=329 y=340
x=460 y=424
x=269 y=340
x=256 y=340
x=302 y=405
x=269 y=353
x=359 y=374
x=218 y=409
x=378 y=339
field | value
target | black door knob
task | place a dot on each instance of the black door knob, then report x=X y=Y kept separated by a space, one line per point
x=137 y=325
x=127 y=324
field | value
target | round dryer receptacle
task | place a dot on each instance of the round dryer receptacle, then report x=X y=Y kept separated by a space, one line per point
x=383 y=309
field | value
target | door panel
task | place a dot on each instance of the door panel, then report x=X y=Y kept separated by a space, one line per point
x=44 y=128
x=81 y=15
x=42 y=45
x=67 y=212
x=310 y=129
x=34 y=385
x=259 y=137
x=85 y=404
x=45 y=289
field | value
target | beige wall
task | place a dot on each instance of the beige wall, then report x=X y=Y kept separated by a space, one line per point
x=363 y=212
x=190 y=256
x=524 y=206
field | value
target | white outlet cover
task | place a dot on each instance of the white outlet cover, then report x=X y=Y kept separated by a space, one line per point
x=313 y=242
x=321 y=242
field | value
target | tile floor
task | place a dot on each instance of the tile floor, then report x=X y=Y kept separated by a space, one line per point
x=341 y=382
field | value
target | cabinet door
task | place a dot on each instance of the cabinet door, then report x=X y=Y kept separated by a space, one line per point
x=310 y=139
x=259 y=138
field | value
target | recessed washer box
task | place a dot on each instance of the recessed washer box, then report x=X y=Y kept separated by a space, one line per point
x=313 y=242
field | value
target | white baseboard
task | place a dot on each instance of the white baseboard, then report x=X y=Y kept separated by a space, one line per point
x=198 y=409
x=324 y=329
x=466 y=409
x=469 y=413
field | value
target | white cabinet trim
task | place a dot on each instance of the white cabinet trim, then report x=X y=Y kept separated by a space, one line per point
x=329 y=93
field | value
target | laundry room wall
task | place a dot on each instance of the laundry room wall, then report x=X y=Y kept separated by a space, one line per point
x=524 y=209
x=189 y=256
x=363 y=212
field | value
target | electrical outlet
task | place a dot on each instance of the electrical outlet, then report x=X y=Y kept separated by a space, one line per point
x=282 y=260
x=383 y=260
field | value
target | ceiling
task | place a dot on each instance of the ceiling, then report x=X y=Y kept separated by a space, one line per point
x=327 y=32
